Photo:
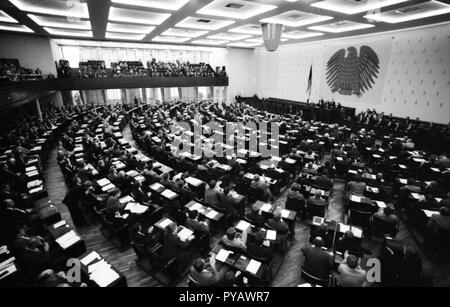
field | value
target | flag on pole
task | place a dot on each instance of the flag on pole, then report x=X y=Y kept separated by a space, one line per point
x=308 y=90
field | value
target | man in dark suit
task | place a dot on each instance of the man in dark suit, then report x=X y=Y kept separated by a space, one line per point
x=258 y=247
x=318 y=263
x=255 y=217
x=277 y=224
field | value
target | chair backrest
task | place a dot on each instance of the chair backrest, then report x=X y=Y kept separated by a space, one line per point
x=314 y=280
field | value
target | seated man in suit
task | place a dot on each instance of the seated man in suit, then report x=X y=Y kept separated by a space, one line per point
x=233 y=240
x=195 y=222
x=211 y=194
x=356 y=187
x=317 y=201
x=350 y=273
x=255 y=217
x=264 y=187
x=112 y=208
x=386 y=216
x=309 y=169
x=318 y=263
x=227 y=202
x=260 y=248
x=204 y=275
x=173 y=247
x=437 y=223
x=323 y=232
x=277 y=224
x=351 y=245
x=166 y=182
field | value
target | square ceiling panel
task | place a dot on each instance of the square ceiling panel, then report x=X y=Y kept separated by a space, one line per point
x=137 y=16
x=170 y=39
x=128 y=28
x=211 y=42
x=296 y=18
x=351 y=7
x=236 y=9
x=297 y=34
x=14 y=27
x=6 y=18
x=229 y=36
x=412 y=12
x=125 y=36
x=68 y=32
x=341 y=26
x=172 y=5
x=252 y=29
x=203 y=23
x=61 y=22
x=71 y=8
x=184 y=32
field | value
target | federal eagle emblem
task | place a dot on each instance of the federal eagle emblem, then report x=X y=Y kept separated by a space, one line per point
x=352 y=75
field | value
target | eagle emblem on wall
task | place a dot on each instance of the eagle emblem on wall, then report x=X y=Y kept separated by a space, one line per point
x=352 y=74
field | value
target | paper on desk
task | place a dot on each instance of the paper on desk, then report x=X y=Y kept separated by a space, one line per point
x=271 y=235
x=380 y=204
x=243 y=225
x=103 y=182
x=285 y=213
x=126 y=199
x=266 y=207
x=196 y=207
x=211 y=214
x=253 y=266
x=343 y=228
x=223 y=255
x=59 y=224
x=429 y=213
x=403 y=181
x=357 y=232
x=184 y=234
x=355 y=198
x=89 y=258
x=108 y=187
x=105 y=277
x=417 y=196
x=165 y=223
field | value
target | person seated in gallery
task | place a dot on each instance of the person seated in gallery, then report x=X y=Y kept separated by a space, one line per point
x=235 y=241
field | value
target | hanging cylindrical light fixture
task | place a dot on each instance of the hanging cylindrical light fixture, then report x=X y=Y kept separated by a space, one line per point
x=272 y=35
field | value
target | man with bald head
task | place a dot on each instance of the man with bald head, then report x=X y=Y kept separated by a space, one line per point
x=318 y=263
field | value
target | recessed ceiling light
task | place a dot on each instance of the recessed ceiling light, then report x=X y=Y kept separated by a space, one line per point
x=128 y=28
x=229 y=36
x=296 y=18
x=341 y=26
x=170 y=39
x=184 y=32
x=71 y=8
x=211 y=42
x=68 y=32
x=137 y=16
x=203 y=23
x=172 y=5
x=125 y=36
x=15 y=27
x=6 y=18
x=412 y=12
x=351 y=7
x=61 y=22
x=236 y=9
